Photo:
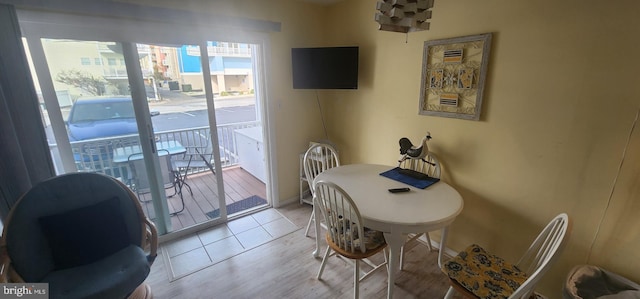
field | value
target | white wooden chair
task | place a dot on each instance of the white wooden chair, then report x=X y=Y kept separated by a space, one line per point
x=318 y=158
x=431 y=168
x=346 y=236
x=470 y=278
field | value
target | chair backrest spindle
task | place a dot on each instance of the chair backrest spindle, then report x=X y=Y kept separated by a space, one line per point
x=430 y=167
x=342 y=216
x=318 y=158
x=542 y=253
x=517 y=281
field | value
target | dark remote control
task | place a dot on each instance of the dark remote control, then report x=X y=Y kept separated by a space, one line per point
x=398 y=190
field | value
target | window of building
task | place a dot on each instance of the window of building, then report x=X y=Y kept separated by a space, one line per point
x=111 y=61
x=97 y=61
x=85 y=61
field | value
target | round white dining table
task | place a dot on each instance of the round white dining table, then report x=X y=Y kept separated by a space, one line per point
x=394 y=214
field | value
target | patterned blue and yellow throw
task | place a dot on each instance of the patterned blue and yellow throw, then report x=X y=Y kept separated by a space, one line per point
x=485 y=275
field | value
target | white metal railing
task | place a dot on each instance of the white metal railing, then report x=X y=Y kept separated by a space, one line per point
x=96 y=155
x=220 y=51
x=232 y=51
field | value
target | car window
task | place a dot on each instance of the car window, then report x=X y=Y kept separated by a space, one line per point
x=102 y=111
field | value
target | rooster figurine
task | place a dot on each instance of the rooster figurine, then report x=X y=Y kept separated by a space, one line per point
x=408 y=150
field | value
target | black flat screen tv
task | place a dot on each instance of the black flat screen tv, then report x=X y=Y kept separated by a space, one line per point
x=325 y=68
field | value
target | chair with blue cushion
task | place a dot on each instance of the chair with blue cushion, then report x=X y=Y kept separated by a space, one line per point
x=84 y=234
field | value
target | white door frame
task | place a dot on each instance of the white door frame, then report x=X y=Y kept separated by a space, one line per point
x=40 y=24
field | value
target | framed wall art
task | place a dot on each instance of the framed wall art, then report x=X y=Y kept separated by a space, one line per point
x=453 y=76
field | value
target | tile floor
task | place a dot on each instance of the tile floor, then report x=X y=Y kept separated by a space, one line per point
x=205 y=248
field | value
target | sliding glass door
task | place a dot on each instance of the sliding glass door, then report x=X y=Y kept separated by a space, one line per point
x=205 y=97
x=91 y=108
x=178 y=122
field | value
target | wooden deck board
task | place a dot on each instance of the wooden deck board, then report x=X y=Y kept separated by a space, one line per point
x=248 y=184
x=238 y=185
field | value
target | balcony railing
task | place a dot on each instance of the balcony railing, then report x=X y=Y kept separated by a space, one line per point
x=114 y=72
x=96 y=155
x=220 y=51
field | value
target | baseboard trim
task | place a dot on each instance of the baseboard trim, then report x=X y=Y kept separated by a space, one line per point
x=448 y=252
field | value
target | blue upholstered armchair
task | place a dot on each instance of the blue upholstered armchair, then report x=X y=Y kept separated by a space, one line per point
x=83 y=233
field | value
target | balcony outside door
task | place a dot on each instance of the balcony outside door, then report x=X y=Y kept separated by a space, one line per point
x=181 y=114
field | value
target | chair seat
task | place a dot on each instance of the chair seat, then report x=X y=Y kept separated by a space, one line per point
x=373 y=242
x=128 y=267
x=485 y=275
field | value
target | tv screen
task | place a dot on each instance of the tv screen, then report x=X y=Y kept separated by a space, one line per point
x=325 y=68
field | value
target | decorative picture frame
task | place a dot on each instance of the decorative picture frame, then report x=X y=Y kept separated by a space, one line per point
x=454 y=71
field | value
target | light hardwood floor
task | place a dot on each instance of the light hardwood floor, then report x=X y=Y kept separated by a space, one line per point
x=285 y=268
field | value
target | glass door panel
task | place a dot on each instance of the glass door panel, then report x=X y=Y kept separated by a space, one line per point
x=232 y=68
x=223 y=166
x=89 y=88
x=182 y=119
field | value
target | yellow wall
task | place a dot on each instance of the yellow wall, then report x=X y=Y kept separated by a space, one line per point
x=559 y=105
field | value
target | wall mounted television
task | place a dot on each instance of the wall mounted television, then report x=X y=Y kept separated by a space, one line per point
x=325 y=68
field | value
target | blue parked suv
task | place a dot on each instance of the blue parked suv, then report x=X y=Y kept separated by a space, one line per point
x=92 y=118
x=100 y=117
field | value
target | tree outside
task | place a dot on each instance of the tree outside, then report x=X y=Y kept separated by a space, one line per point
x=83 y=80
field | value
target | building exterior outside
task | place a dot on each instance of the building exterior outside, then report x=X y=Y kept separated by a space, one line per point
x=230 y=65
x=101 y=66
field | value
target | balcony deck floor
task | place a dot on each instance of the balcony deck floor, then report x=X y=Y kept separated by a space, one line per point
x=238 y=185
